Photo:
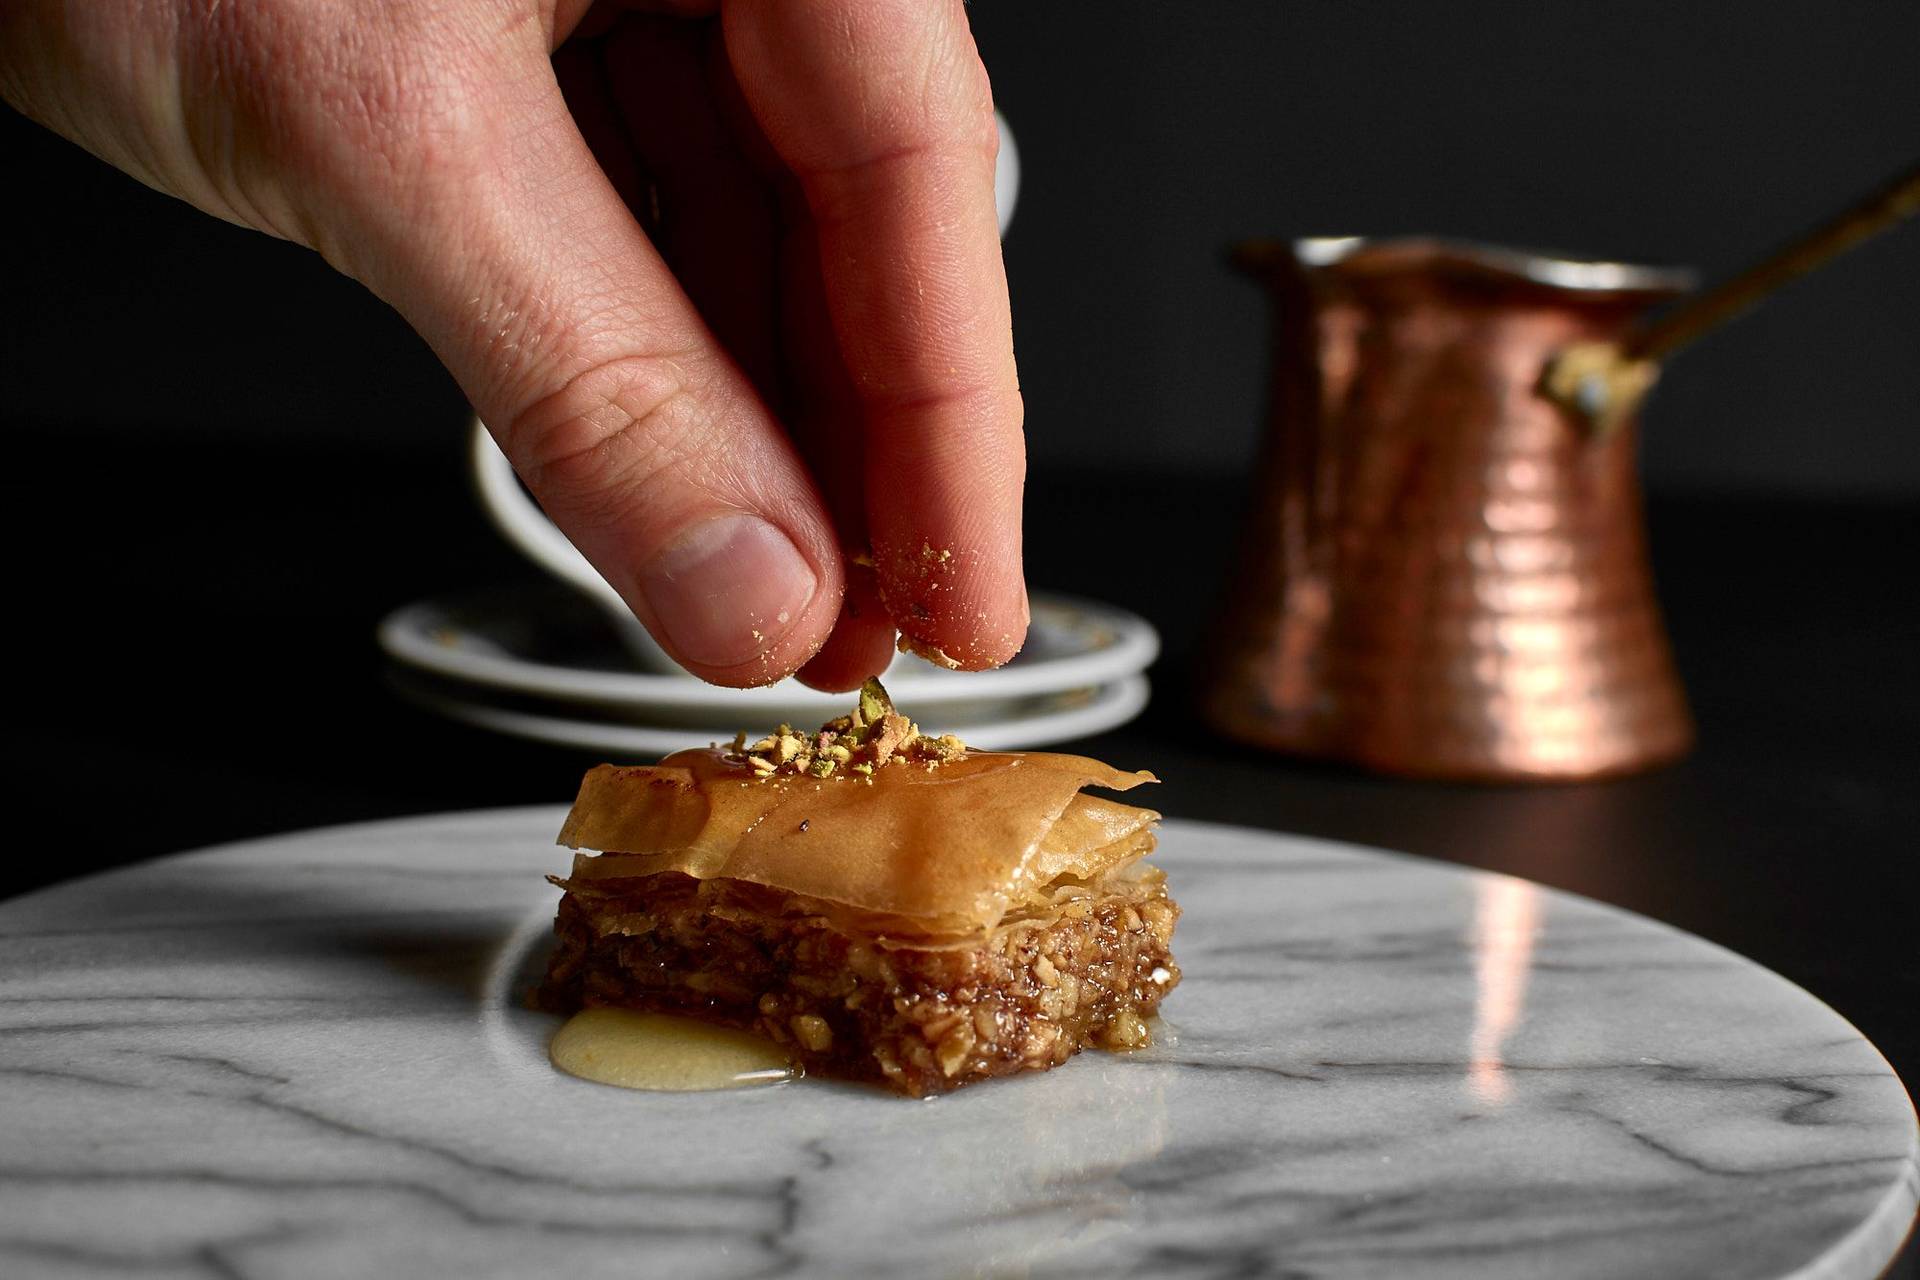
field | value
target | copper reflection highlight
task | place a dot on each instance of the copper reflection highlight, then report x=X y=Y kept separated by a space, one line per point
x=1506 y=920
x=1444 y=574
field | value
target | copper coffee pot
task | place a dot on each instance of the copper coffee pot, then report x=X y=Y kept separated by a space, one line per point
x=1444 y=575
x=1445 y=572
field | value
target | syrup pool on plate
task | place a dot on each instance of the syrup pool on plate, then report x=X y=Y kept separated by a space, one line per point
x=661 y=1052
x=664 y=1053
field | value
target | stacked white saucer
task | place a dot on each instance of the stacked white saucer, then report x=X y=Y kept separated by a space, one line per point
x=540 y=662
x=562 y=661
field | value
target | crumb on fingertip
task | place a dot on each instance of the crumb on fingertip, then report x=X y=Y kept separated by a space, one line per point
x=931 y=652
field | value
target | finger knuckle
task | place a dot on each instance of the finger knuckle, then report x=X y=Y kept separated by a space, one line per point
x=617 y=436
x=957 y=95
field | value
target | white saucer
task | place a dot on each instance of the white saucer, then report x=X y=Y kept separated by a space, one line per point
x=312 y=1057
x=1032 y=722
x=543 y=640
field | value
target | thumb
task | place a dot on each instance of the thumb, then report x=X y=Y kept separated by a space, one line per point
x=514 y=256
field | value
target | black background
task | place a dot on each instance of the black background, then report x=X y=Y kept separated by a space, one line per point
x=1152 y=136
x=1695 y=133
x=224 y=464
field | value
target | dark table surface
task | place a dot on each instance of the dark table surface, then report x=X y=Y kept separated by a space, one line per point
x=199 y=666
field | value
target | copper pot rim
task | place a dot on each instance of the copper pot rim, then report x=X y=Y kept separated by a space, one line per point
x=1392 y=255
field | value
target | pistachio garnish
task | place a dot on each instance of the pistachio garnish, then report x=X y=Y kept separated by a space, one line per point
x=871 y=737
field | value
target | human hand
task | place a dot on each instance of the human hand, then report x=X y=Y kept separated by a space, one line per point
x=810 y=356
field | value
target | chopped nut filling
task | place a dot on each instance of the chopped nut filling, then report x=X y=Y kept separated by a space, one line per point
x=918 y=1020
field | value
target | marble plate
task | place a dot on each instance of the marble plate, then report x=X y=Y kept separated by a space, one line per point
x=1001 y=725
x=544 y=640
x=309 y=1057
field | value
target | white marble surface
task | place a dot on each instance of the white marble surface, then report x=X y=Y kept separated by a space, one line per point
x=305 y=1057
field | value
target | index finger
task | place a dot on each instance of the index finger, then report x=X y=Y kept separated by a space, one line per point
x=883 y=113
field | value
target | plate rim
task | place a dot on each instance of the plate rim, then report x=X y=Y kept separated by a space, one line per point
x=402 y=637
x=1113 y=703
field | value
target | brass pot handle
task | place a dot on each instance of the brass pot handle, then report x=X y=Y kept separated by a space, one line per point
x=1602 y=383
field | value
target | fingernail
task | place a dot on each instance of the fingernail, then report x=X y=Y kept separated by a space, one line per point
x=727 y=590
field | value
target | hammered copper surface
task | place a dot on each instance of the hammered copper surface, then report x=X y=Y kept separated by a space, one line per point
x=1443 y=574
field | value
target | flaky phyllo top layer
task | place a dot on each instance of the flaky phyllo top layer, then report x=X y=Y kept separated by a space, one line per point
x=938 y=850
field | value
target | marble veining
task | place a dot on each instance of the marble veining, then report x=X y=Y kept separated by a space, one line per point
x=309 y=1057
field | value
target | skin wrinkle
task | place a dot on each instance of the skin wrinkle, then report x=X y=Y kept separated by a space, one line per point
x=952 y=75
x=913 y=350
x=154 y=94
x=205 y=146
x=365 y=133
x=606 y=322
x=564 y=448
x=584 y=307
x=646 y=471
x=952 y=401
x=911 y=153
x=823 y=148
x=623 y=322
x=884 y=100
